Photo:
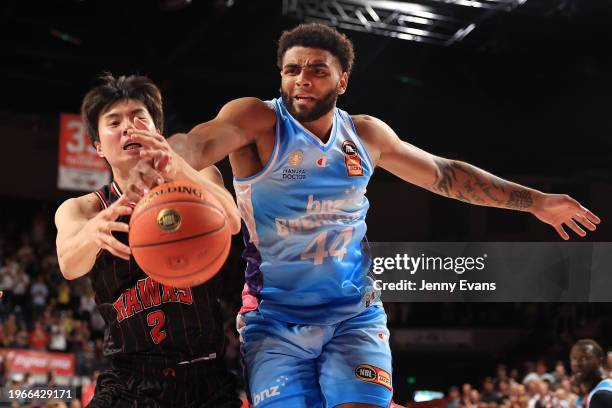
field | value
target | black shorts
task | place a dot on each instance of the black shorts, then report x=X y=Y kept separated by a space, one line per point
x=205 y=384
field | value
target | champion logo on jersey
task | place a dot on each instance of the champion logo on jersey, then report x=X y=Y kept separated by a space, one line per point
x=322 y=161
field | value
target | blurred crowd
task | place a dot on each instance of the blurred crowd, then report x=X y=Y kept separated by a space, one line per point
x=540 y=387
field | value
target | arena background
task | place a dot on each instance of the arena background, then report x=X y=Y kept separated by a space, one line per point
x=525 y=95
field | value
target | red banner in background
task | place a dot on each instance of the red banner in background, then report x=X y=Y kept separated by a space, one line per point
x=39 y=362
x=80 y=167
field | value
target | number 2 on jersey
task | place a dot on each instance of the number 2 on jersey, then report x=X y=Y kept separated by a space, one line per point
x=316 y=249
x=157 y=320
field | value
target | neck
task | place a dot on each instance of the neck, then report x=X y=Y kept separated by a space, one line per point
x=593 y=380
x=120 y=178
x=321 y=127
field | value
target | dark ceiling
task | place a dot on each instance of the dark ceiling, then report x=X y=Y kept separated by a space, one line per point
x=535 y=76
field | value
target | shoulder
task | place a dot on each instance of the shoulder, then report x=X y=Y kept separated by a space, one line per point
x=249 y=110
x=85 y=206
x=374 y=131
x=601 y=399
x=213 y=174
x=370 y=126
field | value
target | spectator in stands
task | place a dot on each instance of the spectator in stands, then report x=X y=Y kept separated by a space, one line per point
x=503 y=390
x=10 y=329
x=58 y=340
x=39 y=339
x=502 y=374
x=21 y=338
x=21 y=284
x=8 y=272
x=454 y=399
x=489 y=395
x=541 y=369
x=472 y=400
x=63 y=295
x=559 y=374
x=39 y=293
x=514 y=375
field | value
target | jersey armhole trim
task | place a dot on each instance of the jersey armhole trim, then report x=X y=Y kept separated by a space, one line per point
x=273 y=157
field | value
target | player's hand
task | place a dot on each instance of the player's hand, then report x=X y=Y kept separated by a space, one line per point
x=156 y=149
x=105 y=222
x=142 y=178
x=560 y=210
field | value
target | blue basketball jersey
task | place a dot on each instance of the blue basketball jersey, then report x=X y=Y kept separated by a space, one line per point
x=605 y=385
x=304 y=212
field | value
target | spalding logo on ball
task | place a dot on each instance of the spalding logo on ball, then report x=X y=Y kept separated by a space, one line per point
x=179 y=234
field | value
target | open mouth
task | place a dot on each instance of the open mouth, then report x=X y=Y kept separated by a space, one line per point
x=304 y=98
x=132 y=146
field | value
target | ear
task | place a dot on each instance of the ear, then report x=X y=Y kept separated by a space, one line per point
x=98 y=147
x=342 y=83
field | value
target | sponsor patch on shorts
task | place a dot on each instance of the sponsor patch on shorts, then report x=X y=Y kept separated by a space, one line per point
x=369 y=373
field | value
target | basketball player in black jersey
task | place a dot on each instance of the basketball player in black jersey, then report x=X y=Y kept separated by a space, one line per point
x=165 y=344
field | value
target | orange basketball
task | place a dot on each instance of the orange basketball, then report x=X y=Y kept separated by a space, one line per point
x=179 y=234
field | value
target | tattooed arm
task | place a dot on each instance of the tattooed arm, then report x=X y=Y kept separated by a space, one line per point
x=468 y=183
x=465 y=182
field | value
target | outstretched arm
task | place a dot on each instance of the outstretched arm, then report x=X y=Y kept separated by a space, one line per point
x=468 y=183
x=237 y=124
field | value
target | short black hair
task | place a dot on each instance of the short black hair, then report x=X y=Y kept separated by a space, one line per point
x=317 y=35
x=113 y=89
x=597 y=350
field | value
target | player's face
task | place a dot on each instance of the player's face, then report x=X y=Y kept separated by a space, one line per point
x=311 y=80
x=113 y=124
x=584 y=362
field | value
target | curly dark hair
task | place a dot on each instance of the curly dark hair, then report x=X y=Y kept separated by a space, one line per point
x=114 y=89
x=316 y=35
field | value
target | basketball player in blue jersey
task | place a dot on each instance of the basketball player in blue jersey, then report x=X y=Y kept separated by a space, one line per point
x=157 y=338
x=587 y=360
x=314 y=333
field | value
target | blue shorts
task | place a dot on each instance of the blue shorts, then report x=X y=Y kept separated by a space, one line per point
x=313 y=366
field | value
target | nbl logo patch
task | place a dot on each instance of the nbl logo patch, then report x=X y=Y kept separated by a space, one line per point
x=352 y=159
x=349 y=148
x=369 y=373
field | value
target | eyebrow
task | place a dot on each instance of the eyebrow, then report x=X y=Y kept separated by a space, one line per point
x=313 y=65
x=133 y=112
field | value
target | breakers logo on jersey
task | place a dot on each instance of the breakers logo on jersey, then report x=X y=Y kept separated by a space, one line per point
x=147 y=294
x=318 y=212
x=369 y=373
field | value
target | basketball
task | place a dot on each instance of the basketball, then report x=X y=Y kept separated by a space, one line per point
x=179 y=234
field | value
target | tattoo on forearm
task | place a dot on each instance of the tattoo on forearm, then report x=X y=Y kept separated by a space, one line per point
x=477 y=199
x=446 y=175
x=468 y=186
x=460 y=196
x=486 y=188
x=520 y=199
x=472 y=185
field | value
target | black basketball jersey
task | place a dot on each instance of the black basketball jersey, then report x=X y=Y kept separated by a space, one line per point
x=148 y=320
